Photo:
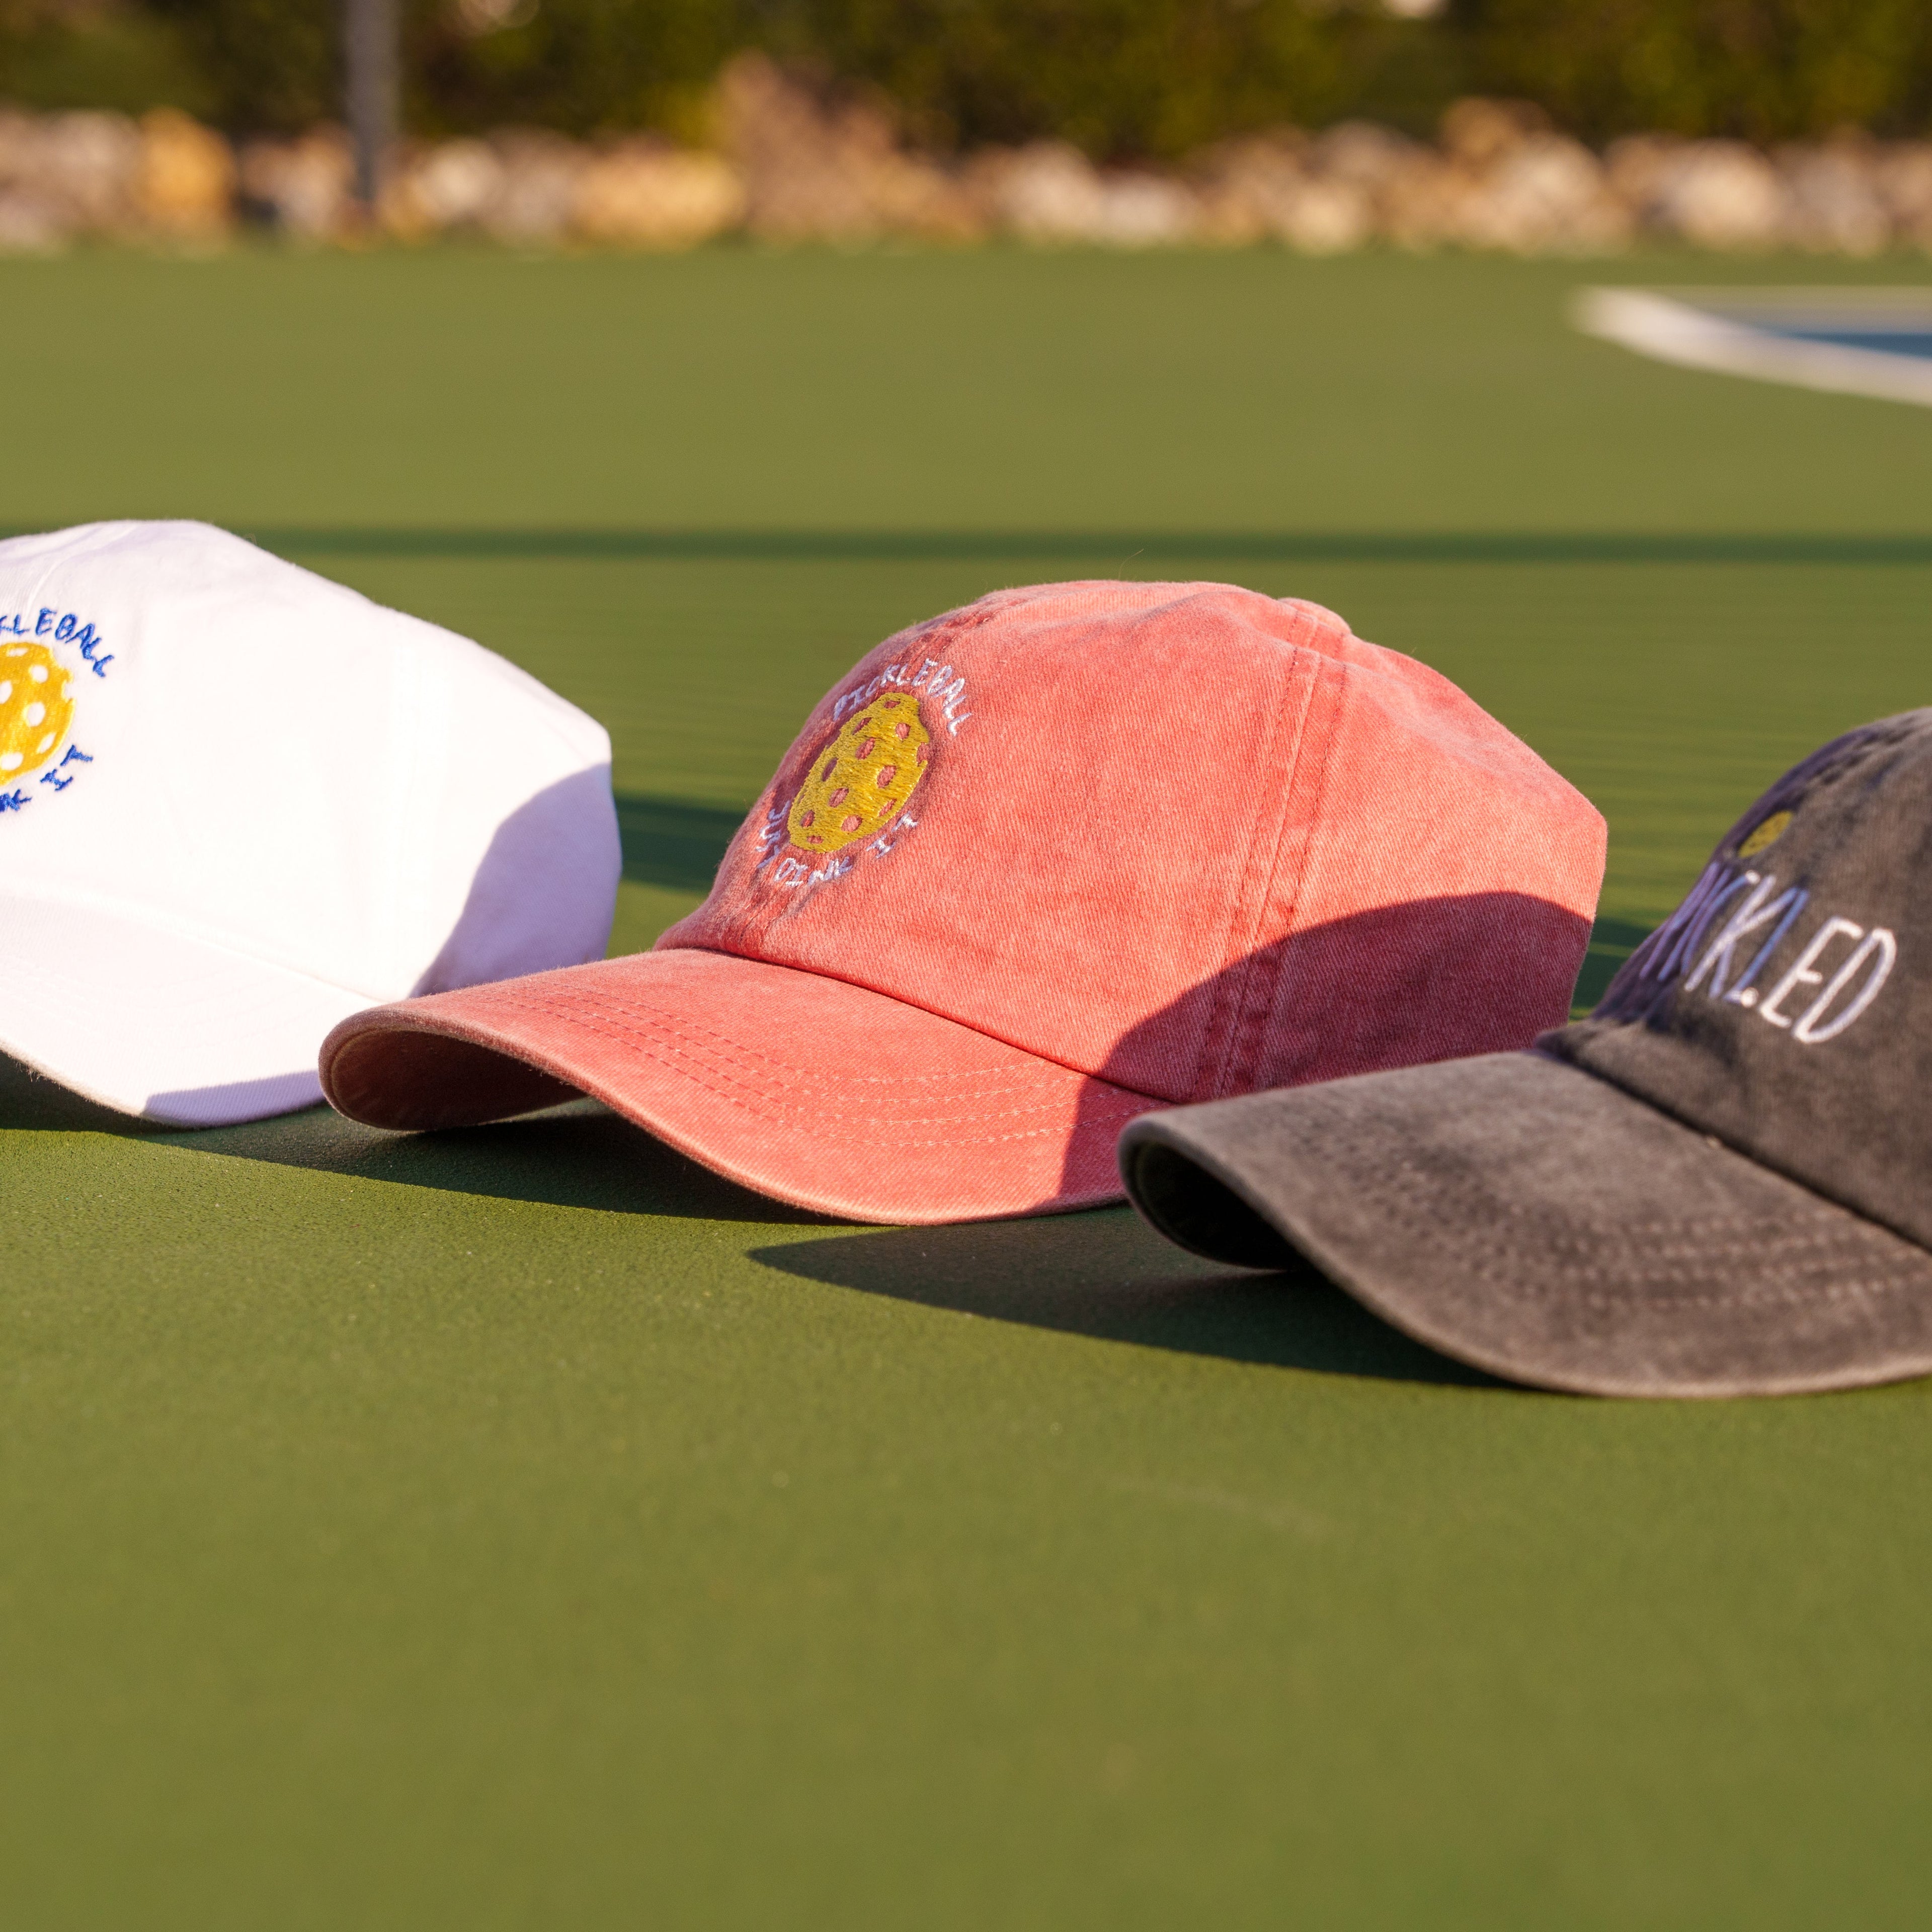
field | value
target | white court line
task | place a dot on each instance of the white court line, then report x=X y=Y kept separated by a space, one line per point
x=1676 y=331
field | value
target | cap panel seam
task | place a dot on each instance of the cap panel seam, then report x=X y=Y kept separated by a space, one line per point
x=1310 y=760
x=1250 y=899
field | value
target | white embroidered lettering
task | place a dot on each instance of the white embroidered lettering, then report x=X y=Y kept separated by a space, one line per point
x=1800 y=973
x=1882 y=949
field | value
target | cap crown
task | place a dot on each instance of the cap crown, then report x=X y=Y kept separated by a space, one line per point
x=1185 y=837
x=1785 y=1006
x=200 y=737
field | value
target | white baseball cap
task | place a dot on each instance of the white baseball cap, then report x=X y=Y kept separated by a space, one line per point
x=239 y=802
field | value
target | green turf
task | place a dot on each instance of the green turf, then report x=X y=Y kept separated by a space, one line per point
x=522 y=1529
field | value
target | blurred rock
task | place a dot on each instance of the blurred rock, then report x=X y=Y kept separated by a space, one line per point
x=1050 y=193
x=536 y=197
x=816 y=168
x=1546 y=195
x=1902 y=174
x=1413 y=195
x=1836 y=204
x=449 y=187
x=1265 y=188
x=645 y=194
x=28 y=226
x=69 y=174
x=304 y=187
x=1637 y=167
x=1478 y=133
x=1047 y=192
x=1717 y=194
x=805 y=161
x=184 y=174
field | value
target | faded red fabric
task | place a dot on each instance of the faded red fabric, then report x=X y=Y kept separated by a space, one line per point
x=1167 y=842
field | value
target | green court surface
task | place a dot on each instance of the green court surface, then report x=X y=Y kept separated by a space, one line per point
x=521 y=1527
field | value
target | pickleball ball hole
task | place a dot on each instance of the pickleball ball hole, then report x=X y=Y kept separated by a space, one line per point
x=6 y=691
x=35 y=714
x=38 y=673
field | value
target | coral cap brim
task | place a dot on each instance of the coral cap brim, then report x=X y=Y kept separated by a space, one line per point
x=808 y=1089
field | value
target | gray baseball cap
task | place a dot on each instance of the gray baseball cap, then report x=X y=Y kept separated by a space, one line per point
x=1719 y=1183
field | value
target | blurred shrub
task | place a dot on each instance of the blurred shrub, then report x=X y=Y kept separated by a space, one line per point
x=57 y=56
x=1120 y=78
x=1124 y=77
x=1762 y=69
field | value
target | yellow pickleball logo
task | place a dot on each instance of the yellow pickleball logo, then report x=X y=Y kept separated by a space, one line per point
x=1766 y=836
x=860 y=780
x=36 y=708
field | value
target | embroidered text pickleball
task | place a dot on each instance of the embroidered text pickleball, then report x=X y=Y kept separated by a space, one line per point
x=1033 y=868
x=238 y=802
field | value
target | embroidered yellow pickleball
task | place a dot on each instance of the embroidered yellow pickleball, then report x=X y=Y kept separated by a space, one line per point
x=1766 y=836
x=860 y=780
x=36 y=708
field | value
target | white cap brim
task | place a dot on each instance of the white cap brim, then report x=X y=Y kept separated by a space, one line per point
x=156 y=1023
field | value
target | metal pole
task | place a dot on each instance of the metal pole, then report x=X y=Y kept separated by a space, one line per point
x=371 y=63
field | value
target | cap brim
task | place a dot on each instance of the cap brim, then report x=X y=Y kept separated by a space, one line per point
x=813 y=1090
x=152 y=1023
x=1543 y=1224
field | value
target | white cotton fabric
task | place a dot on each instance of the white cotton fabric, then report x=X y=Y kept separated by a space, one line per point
x=285 y=803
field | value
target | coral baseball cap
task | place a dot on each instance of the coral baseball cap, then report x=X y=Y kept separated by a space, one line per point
x=1033 y=868
x=1719 y=1183
x=238 y=802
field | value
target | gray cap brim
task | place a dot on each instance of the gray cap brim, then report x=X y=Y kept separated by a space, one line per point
x=1545 y=1225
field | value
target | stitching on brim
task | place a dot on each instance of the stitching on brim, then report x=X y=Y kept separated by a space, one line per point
x=652 y=1017
x=1914 y=1266
x=765 y=1106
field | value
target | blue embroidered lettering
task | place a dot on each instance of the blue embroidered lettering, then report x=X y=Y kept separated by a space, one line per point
x=65 y=628
x=74 y=751
x=101 y=665
x=86 y=639
x=1692 y=937
x=14 y=801
x=1744 y=993
x=1747 y=919
x=54 y=778
x=1651 y=952
x=43 y=623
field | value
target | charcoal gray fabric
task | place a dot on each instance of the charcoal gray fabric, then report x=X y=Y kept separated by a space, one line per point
x=1701 y=1189
x=1827 y=928
x=1539 y=1223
